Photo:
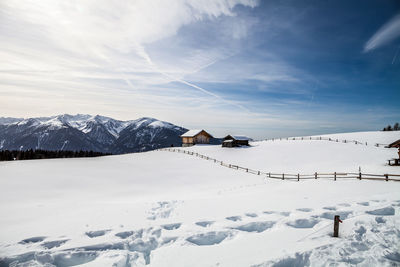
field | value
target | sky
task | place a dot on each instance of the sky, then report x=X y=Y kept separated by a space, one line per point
x=260 y=68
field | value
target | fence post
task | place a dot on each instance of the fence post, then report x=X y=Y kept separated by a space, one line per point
x=334 y=176
x=316 y=175
x=298 y=177
x=336 y=226
x=247 y=169
x=387 y=177
x=229 y=165
x=359 y=175
x=283 y=176
x=258 y=172
x=269 y=175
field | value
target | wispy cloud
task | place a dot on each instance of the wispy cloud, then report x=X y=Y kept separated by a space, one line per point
x=387 y=33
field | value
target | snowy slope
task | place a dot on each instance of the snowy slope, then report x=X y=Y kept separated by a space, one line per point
x=374 y=137
x=171 y=209
x=309 y=156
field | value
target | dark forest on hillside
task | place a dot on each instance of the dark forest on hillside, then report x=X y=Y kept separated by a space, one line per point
x=6 y=155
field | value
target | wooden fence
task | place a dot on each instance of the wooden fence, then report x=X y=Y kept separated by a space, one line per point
x=292 y=176
x=329 y=139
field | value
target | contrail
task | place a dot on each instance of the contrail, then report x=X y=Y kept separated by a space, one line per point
x=386 y=34
x=146 y=57
x=395 y=55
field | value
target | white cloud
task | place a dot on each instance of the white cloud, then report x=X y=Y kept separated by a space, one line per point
x=387 y=33
x=98 y=39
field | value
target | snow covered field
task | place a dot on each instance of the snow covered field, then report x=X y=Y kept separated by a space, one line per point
x=171 y=209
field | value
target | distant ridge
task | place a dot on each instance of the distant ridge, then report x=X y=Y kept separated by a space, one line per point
x=87 y=132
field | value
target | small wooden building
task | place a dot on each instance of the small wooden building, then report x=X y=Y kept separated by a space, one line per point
x=395 y=144
x=193 y=137
x=395 y=162
x=235 y=141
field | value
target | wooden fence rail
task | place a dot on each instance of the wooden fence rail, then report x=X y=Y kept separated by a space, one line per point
x=328 y=139
x=292 y=176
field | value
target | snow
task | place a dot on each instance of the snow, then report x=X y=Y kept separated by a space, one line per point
x=191 y=133
x=159 y=124
x=162 y=208
x=310 y=156
x=241 y=137
x=379 y=137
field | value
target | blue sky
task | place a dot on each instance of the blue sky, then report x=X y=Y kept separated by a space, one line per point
x=261 y=68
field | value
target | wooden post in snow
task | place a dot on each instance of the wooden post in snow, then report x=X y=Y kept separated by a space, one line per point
x=316 y=175
x=336 y=226
x=334 y=176
x=298 y=177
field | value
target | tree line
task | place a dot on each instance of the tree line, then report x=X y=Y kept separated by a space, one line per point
x=395 y=127
x=46 y=154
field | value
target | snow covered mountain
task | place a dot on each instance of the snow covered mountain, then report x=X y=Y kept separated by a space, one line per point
x=86 y=132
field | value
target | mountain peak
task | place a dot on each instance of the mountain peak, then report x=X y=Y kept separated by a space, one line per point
x=88 y=132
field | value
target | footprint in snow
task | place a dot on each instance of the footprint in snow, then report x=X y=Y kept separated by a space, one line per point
x=204 y=223
x=54 y=244
x=125 y=234
x=303 y=223
x=234 y=218
x=208 y=239
x=35 y=239
x=380 y=219
x=268 y=212
x=97 y=233
x=169 y=240
x=387 y=211
x=363 y=203
x=330 y=215
x=329 y=208
x=305 y=209
x=171 y=226
x=255 y=226
x=253 y=215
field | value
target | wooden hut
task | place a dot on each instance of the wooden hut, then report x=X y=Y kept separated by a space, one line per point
x=193 y=137
x=235 y=141
x=395 y=162
x=395 y=144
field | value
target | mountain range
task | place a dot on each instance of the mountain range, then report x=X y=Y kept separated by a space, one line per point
x=87 y=132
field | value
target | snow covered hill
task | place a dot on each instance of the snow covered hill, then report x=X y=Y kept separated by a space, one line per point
x=86 y=132
x=162 y=208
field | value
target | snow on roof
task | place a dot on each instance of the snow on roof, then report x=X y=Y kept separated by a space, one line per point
x=191 y=133
x=228 y=141
x=241 y=137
